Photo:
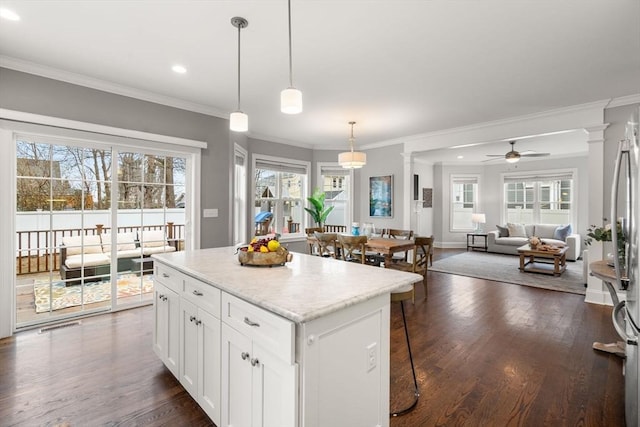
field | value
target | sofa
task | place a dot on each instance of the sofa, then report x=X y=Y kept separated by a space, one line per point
x=93 y=252
x=507 y=239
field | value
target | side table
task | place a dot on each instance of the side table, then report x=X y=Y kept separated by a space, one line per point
x=471 y=242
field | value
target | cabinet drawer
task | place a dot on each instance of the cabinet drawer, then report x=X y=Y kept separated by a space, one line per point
x=203 y=295
x=168 y=276
x=271 y=331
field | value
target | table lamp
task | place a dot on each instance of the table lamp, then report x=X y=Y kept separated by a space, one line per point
x=478 y=219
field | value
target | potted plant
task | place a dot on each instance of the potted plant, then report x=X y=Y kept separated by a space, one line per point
x=317 y=210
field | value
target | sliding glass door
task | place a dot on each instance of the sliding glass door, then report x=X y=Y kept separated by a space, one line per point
x=88 y=218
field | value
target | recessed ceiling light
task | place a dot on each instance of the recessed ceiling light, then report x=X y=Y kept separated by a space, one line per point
x=461 y=157
x=9 y=15
x=179 y=69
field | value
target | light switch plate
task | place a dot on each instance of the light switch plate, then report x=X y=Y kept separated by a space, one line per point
x=210 y=213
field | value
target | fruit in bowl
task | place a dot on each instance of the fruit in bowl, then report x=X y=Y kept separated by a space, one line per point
x=265 y=250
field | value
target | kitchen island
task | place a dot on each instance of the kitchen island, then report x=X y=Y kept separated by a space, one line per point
x=304 y=344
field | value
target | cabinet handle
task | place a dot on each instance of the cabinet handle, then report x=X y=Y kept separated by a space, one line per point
x=198 y=293
x=198 y=322
x=250 y=322
x=244 y=355
x=161 y=296
x=165 y=275
x=192 y=318
x=255 y=362
x=164 y=297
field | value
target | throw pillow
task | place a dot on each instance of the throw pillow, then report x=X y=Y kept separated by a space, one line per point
x=502 y=231
x=516 y=230
x=562 y=232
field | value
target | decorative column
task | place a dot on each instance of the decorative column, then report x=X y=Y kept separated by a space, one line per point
x=596 y=291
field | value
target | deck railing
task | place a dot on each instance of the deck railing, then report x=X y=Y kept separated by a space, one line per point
x=39 y=250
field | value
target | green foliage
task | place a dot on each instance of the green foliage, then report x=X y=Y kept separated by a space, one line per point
x=603 y=234
x=317 y=209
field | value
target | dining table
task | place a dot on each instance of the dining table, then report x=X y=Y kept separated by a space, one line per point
x=386 y=247
x=383 y=246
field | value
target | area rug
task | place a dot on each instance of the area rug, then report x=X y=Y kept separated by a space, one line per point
x=92 y=292
x=505 y=268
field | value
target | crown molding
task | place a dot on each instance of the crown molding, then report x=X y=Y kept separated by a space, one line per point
x=106 y=86
x=624 y=100
x=601 y=104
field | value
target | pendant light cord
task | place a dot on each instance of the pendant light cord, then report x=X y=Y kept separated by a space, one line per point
x=290 y=54
x=239 y=27
x=351 y=138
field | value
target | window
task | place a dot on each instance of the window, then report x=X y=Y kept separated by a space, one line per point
x=542 y=199
x=240 y=196
x=281 y=187
x=464 y=201
x=335 y=181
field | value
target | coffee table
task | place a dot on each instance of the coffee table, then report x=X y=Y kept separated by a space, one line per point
x=546 y=262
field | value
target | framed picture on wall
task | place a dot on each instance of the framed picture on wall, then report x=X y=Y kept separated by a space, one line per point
x=381 y=196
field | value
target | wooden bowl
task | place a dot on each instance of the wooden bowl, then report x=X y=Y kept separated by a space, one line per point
x=268 y=259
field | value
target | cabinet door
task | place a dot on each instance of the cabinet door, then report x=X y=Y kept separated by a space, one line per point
x=274 y=392
x=161 y=322
x=209 y=365
x=172 y=355
x=189 y=347
x=166 y=327
x=236 y=378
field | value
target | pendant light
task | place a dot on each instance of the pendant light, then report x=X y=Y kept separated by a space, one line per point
x=352 y=159
x=239 y=121
x=290 y=98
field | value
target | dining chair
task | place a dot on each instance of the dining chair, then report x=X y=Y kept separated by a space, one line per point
x=327 y=244
x=393 y=233
x=329 y=228
x=419 y=262
x=313 y=245
x=353 y=248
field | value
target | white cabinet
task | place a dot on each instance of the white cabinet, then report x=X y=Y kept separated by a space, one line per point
x=166 y=339
x=200 y=347
x=260 y=375
x=325 y=364
x=258 y=388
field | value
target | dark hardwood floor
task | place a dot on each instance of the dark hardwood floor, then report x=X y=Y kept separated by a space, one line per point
x=486 y=353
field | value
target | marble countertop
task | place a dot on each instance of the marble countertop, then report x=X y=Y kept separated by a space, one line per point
x=303 y=289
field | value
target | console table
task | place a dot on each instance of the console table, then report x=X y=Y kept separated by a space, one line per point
x=602 y=270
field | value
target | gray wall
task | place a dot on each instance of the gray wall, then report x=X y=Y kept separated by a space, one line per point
x=380 y=162
x=39 y=95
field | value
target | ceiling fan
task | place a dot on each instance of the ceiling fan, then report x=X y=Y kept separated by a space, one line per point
x=514 y=156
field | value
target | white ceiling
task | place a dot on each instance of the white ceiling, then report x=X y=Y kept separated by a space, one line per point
x=398 y=68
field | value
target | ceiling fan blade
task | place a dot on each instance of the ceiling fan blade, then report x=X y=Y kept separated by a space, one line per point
x=534 y=154
x=495 y=155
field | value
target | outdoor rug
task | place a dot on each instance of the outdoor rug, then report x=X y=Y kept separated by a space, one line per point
x=505 y=268
x=73 y=295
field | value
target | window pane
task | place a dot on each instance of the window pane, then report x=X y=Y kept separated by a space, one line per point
x=130 y=167
x=463 y=203
x=33 y=194
x=281 y=192
x=547 y=202
x=33 y=159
